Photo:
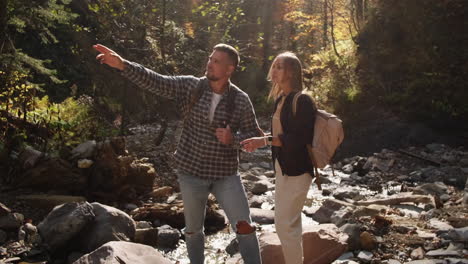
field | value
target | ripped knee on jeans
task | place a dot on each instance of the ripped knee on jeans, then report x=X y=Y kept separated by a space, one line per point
x=244 y=228
x=191 y=233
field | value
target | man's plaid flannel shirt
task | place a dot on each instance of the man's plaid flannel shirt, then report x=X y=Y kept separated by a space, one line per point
x=198 y=151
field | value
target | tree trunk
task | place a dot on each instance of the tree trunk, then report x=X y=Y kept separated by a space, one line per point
x=359 y=12
x=3 y=23
x=332 y=28
x=163 y=24
x=325 y=24
x=267 y=30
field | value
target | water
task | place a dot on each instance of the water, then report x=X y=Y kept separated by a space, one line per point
x=216 y=243
x=215 y=246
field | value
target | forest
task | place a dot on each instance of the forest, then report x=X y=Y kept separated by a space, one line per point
x=395 y=71
x=405 y=57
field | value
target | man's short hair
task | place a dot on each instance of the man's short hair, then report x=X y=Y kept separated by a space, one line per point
x=230 y=51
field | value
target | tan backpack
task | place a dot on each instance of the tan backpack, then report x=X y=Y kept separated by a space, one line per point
x=328 y=135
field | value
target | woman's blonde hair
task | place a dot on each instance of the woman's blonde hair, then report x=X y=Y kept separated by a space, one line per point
x=293 y=67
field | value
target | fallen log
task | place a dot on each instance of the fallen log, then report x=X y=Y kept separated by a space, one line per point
x=433 y=162
x=399 y=199
x=173 y=214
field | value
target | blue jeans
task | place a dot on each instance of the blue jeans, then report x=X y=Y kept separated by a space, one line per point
x=230 y=194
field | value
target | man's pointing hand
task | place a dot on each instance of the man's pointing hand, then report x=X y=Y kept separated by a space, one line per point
x=109 y=57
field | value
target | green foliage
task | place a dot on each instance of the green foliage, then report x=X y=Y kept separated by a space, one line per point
x=71 y=121
x=332 y=80
x=30 y=30
x=16 y=95
x=220 y=19
x=415 y=61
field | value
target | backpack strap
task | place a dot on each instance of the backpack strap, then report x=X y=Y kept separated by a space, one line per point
x=294 y=102
x=230 y=105
x=195 y=96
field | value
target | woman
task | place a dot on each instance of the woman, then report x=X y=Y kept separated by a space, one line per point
x=290 y=134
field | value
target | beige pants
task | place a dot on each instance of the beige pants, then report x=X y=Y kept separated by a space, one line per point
x=290 y=195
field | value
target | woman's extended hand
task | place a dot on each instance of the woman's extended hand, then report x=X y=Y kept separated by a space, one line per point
x=251 y=144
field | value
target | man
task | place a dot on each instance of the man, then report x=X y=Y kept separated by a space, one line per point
x=207 y=152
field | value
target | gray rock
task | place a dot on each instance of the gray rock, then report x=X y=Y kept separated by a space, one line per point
x=310 y=211
x=262 y=216
x=265 y=165
x=64 y=222
x=456 y=261
x=118 y=252
x=402 y=229
x=260 y=187
x=374 y=163
x=455 y=176
x=445 y=198
x=233 y=247
x=465 y=196
x=168 y=237
x=3 y=237
x=347 y=194
x=11 y=221
x=427 y=261
x=464 y=162
x=439 y=225
x=143 y=224
x=417 y=253
x=348 y=168
x=245 y=166
x=110 y=224
x=29 y=157
x=346 y=256
x=436 y=188
x=250 y=177
x=453 y=250
x=84 y=150
x=459 y=234
x=147 y=236
x=130 y=206
x=353 y=231
x=449 y=157
x=257 y=171
x=341 y=216
x=434 y=147
x=365 y=256
x=255 y=201
x=329 y=206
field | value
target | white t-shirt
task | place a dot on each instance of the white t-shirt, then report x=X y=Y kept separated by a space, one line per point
x=214 y=102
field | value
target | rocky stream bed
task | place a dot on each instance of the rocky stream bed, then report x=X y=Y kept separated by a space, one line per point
x=408 y=205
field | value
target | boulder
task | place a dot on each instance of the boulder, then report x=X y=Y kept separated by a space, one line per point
x=329 y=206
x=64 y=222
x=321 y=244
x=110 y=224
x=11 y=221
x=262 y=216
x=118 y=252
